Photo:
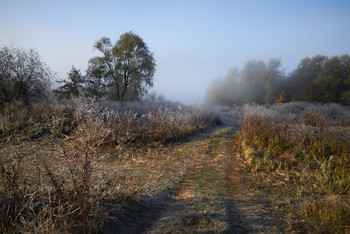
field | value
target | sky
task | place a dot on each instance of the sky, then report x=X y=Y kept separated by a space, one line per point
x=192 y=42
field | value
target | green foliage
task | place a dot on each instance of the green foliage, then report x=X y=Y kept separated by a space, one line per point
x=302 y=77
x=95 y=83
x=315 y=79
x=332 y=80
x=345 y=98
x=128 y=65
x=73 y=87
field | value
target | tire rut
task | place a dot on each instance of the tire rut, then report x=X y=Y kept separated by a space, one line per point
x=211 y=197
x=199 y=206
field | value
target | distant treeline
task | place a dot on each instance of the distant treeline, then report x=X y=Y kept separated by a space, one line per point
x=319 y=79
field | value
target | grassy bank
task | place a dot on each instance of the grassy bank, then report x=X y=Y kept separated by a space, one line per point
x=300 y=156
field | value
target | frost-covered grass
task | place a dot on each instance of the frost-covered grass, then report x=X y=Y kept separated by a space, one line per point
x=155 y=119
x=301 y=152
x=67 y=166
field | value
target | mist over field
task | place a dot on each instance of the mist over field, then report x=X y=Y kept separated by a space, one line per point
x=316 y=79
x=174 y=116
x=192 y=42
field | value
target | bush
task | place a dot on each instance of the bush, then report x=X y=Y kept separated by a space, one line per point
x=23 y=76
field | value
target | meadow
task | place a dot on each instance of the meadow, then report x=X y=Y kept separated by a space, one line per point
x=89 y=166
x=299 y=154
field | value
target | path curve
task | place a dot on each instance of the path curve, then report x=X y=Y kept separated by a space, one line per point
x=211 y=197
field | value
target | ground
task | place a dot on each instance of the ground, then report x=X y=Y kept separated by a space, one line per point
x=197 y=184
x=211 y=195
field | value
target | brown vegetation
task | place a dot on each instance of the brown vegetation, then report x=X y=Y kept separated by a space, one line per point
x=67 y=167
x=299 y=153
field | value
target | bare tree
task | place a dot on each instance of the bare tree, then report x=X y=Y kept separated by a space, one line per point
x=23 y=76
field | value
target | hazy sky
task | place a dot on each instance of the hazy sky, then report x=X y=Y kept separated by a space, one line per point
x=192 y=41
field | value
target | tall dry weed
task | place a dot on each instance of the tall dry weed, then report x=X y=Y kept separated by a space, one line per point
x=66 y=189
x=310 y=146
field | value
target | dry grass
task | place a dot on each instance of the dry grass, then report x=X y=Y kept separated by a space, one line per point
x=69 y=167
x=300 y=154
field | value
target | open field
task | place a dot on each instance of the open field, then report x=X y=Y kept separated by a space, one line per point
x=163 y=167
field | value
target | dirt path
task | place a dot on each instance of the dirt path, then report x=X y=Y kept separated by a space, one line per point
x=212 y=198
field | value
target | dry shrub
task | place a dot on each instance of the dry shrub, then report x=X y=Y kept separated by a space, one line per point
x=15 y=112
x=13 y=195
x=154 y=120
x=309 y=136
x=327 y=216
x=68 y=191
x=67 y=202
x=13 y=118
x=167 y=122
x=236 y=111
x=315 y=119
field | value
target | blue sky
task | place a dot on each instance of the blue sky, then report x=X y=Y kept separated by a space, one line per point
x=192 y=41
